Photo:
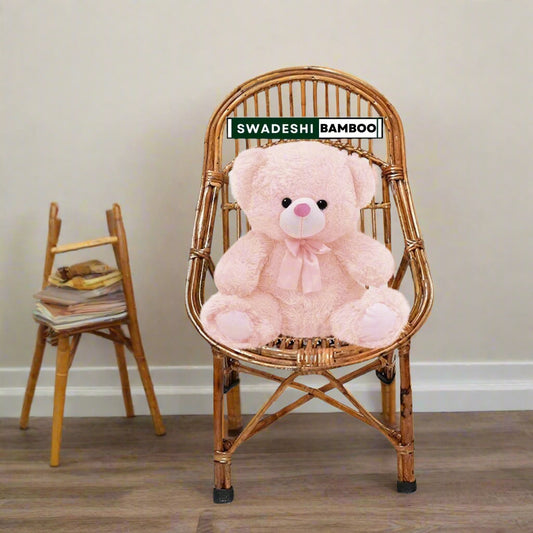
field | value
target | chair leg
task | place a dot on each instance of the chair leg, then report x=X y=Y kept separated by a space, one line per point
x=124 y=379
x=406 y=474
x=387 y=376
x=38 y=353
x=62 y=366
x=388 y=401
x=233 y=398
x=223 y=491
x=144 y=372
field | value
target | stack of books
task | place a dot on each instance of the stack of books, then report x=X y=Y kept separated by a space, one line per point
x=81 y=295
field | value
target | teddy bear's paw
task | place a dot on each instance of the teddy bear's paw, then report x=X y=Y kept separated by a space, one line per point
x=236 y=325
x=374 y=321
x=238 y=322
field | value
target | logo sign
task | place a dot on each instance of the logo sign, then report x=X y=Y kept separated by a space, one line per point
x=305 y=128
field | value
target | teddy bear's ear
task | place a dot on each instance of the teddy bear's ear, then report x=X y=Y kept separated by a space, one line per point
x=241 y=175
x=364 y=179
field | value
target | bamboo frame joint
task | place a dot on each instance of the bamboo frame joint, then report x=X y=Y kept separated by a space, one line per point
x=414 y=244
x=233 y=365
x=393 y=173
x=386 y=375
x=406 y=449
x=216 y=178
x=227 y=444
x=223 y=458
x=204 y=254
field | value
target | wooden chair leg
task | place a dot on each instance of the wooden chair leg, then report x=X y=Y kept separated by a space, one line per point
x=62 y=365
x=387 y=376
x=406 y=473
x=223 y=491
x=124 y=379
x=144 y=372
x=233 y=398
x=36 y=363
x=388 y=402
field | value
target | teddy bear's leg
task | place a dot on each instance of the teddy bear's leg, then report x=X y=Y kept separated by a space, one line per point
x=373 y=321
x=242 y=322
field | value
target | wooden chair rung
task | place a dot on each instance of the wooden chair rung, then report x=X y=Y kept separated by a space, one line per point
x=84 y=244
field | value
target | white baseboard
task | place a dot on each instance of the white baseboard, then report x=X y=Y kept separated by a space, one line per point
x=96 y=391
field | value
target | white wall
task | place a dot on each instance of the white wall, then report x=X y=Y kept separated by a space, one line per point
x=105 y=101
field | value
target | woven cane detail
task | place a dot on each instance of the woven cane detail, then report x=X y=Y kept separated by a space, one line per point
x=222 y=457
x=393 y=173
x=412 y=244
x=406 y=449
x=216 y=179
x=311 y=358
x=203 y=253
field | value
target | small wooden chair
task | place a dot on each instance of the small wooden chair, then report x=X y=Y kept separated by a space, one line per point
x=67 y=340
x=319 y=92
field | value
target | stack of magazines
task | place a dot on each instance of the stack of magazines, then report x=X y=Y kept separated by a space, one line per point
x=81 y=295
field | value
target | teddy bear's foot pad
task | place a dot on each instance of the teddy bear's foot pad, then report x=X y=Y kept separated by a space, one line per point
x=377 y=323
x=223 y=495
x=235 y=324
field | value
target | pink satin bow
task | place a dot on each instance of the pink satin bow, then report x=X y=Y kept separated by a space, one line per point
x=301 y=259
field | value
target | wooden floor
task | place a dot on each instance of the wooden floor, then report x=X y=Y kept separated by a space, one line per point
x=308 y=472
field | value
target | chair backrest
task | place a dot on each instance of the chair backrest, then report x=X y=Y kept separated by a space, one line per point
x=318 y=92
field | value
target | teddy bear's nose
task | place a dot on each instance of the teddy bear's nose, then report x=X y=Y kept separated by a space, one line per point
x=302 y=210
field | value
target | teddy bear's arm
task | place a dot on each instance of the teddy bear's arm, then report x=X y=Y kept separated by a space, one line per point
x=366 y=260
x=239 y=268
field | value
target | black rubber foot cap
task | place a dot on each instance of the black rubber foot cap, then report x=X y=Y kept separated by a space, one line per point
x=406 y=487
x=223 y=495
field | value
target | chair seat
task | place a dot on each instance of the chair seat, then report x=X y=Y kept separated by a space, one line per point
x=308 y=354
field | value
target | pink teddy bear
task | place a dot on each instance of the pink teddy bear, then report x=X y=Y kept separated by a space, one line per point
x=304 y=267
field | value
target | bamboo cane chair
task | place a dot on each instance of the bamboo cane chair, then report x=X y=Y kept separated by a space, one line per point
x=310 y=91
x=67 y=340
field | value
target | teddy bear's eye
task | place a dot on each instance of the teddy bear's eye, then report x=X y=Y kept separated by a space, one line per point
x=322 y=204
x=286 y=202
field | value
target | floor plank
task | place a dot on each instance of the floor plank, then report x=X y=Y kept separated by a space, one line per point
x=308 y=472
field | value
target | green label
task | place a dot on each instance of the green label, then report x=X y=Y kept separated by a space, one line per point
x=272 y=128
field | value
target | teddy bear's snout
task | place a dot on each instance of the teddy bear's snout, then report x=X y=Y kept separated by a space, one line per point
x=302 y=218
